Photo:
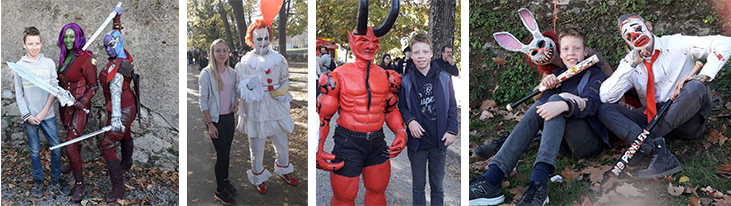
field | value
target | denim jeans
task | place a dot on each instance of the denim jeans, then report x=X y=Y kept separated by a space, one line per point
x=436 y=160
x=685 y=119
x=579 y=136
x=50 y=130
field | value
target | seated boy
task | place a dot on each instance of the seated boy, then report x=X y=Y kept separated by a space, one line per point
x=566 y=115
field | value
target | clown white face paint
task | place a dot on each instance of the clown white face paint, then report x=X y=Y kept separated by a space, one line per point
x=261 y=41
x=636 y=33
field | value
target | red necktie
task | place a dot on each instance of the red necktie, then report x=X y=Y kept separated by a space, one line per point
x=650 y=110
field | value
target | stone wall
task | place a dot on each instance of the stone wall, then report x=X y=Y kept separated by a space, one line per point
x=151 y=36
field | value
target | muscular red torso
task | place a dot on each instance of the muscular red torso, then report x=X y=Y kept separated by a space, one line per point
x=355 y=114
x=127 y=97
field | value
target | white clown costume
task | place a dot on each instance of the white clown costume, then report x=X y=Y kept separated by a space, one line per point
x=264 y=111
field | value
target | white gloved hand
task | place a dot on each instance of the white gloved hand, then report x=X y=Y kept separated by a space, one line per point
x=117 y=125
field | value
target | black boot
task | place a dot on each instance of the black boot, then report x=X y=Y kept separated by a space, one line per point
x=663 y=162
x=79 y=188
x=115 y=176
x=127 y=149
x=485 y=151
x=66 y=168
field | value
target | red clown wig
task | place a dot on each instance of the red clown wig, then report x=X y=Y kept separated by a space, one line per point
x=258 y=24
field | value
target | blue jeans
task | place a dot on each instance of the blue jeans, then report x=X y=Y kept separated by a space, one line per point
x=436 y=159
x=51 y=132
x=577 y=134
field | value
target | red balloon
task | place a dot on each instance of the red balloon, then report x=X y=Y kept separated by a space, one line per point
x=269 y=9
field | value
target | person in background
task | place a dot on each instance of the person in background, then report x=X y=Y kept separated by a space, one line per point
x=447 y=62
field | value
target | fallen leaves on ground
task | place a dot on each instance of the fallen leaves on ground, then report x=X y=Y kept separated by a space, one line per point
x=675 y=191
x=716 y=136
x=725 y=170
x=499 y=60
x=629 y=190
x=569 y=174
x=694 y=201
x=518 y=192
x=596 y=172
x=16 y=173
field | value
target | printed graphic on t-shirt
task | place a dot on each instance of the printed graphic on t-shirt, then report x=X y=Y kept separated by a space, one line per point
x=426 y=95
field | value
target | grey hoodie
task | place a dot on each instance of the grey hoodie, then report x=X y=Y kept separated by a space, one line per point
x=29 y=97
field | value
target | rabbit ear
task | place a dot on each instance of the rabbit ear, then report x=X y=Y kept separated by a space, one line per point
x=528 y=20
x=508 y=41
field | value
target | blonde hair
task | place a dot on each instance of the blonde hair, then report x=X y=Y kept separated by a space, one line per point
x=214 y=66
x=420 y=37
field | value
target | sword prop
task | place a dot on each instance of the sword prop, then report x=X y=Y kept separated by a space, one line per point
x=578 y=68
x=83 y=137
x=624 y=160
x=104 y=25
x=64 y=96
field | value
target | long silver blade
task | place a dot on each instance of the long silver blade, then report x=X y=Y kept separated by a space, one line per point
x=32 y=78
x=86 y=136
x=64 y=97
x=101 y=28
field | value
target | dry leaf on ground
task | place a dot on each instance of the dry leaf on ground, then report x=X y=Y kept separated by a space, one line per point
x=596 y=174
x=629 y=190
x=684 y=179
x=609 y=184
x=587 y=201
x=488 y=105
x=499 y=60
x=485 y=115
x=675 y=191
x=569 y=175
x=518 y=191
x=694 y=201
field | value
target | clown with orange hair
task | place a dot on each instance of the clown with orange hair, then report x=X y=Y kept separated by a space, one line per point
x=264 y=87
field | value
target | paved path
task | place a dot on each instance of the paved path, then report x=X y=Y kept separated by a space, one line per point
x=201 y=154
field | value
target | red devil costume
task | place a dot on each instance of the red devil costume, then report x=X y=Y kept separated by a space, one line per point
x=364 y=96
x=121 y=106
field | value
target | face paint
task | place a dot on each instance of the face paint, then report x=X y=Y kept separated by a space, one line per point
x=261 y=41
x=635 y=33
x=364 y=46
x=114 y=45
x=68 y=39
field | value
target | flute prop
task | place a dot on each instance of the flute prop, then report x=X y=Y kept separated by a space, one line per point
x=624 y=160
x=578 y=68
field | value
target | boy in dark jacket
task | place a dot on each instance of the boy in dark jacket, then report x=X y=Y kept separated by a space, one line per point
x=573 y=102
x=429 y=108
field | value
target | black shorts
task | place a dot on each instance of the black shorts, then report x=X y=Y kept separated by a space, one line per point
x=358 y=150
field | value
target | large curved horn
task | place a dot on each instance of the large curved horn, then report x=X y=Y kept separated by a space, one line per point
x=362 y=27
x=392 y=15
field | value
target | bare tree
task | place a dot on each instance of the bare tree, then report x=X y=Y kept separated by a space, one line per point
x=283 y=13
x=238 y=8
x=224 y=18
x=441 y=24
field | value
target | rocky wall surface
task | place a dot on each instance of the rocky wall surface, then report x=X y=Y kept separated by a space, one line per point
x=151 y=37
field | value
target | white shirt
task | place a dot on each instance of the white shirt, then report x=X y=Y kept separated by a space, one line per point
x=677 y=57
